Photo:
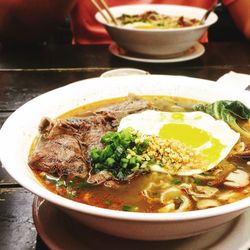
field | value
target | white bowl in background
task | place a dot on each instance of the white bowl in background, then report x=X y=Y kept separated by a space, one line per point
x=19 y=130
x=124 y=72
x=157 y=42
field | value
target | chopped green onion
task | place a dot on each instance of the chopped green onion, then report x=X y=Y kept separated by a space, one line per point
x=129 y=208
x=71 y=193
x=197 y=181
x=84 y=184
x=176 y=182
x=61 y=183
x=110 y=162
x=108 y=202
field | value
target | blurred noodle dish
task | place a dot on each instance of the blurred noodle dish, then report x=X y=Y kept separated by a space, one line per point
x=154 y=20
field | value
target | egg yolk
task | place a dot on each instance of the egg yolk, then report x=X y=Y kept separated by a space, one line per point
x=207 y=145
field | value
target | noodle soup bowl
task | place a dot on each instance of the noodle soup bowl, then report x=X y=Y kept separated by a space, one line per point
x=18 y=133
x=157 y=42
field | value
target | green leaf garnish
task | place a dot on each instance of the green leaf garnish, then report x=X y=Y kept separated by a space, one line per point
x=229 y=112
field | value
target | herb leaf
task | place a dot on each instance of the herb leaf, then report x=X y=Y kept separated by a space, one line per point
x=228 y=111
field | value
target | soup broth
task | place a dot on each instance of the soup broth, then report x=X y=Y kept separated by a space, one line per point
x=148 y=186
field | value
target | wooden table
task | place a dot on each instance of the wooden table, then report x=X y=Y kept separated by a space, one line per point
x=27 y=73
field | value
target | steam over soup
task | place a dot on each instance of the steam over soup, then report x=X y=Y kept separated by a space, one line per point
x=154 y=20
x=147 y=154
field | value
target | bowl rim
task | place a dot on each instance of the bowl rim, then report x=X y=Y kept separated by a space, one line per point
x=99 y=18
x=41 y=191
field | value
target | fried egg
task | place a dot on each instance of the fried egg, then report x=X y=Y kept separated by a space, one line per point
x=213 y=139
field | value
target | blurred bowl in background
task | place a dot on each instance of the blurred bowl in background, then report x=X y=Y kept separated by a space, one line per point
x=124 y=72
x=157 y=42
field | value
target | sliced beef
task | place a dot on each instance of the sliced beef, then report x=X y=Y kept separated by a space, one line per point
x=103 y=177
x=111 y=184
x=133 y=104
x=64 y=145
x=61 y=155
x=100 y=177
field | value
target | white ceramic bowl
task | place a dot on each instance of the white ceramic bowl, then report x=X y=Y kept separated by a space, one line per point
x=21 y=127
x=157 y=42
